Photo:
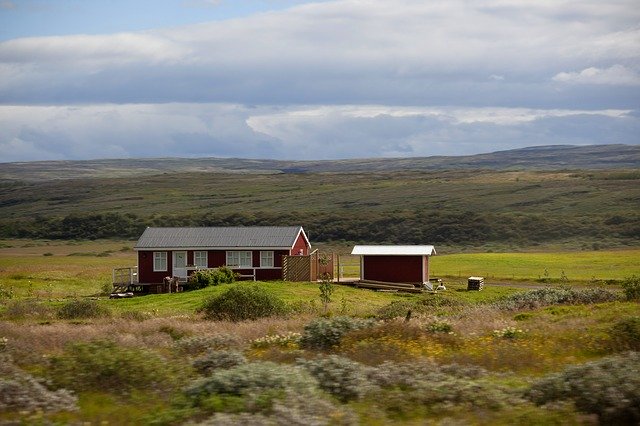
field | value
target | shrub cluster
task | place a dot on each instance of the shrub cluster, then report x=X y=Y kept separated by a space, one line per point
x=556 y=296
x=325 y=333
x=216 y=360
x=82 y=309
x=22 y=392
x=631 y=287
x=210 y=277
x=609 y=388
x=243 y=302
x=625 y=334
x=425 y=383
x=253 y=378
x=341 y=377
x=197 y=345
x=27 y=308
x=105 y=365
x=291 y=409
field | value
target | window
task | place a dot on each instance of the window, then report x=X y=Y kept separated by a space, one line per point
x=239 y=259
x=266 y=259
x=200 y=259
x=159 y=261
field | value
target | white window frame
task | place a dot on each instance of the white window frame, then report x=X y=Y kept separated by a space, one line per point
x=160 y=263
x=201 y=255
x=239 y=258
x=266 y=259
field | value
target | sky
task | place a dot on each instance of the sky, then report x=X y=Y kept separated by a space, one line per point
x=312 y=80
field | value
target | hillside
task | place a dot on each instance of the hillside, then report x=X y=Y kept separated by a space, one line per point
x=535 y=158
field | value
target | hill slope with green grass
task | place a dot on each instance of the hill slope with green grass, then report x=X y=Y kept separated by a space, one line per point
x=555 y=157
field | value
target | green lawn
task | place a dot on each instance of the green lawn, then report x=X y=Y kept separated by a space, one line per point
x=577 y=266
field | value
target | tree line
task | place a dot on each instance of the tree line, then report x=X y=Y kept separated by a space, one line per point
x=400 y=227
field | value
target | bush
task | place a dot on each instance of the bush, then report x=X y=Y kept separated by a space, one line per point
x=325 y=333
x=341 y=377
x=292 y=409
x=253 y=378
x=107 y=366
x=215 y=360
x=425 y=383
x=210 y=277
x=625 y=334
x=18 y=309
x=200 y=344
x=609 y=388
x=82 y=309
x=243 y=302
x=631 y=287
x=556 y=296
x=20 y=391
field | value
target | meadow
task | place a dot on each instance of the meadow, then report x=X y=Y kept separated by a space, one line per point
x=454 y=357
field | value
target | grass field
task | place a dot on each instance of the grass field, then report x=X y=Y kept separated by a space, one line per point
x=55 y=269
x=462 y=358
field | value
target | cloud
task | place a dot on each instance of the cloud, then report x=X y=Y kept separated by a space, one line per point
x=310 y=132
x=406 y=52
x=615 y=75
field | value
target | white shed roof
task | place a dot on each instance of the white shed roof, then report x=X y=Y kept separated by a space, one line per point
x=394 y=250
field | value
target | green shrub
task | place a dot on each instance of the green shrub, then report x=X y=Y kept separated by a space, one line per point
x=27 y=308
x=405 y=386
x=243 y=302
x=631 y=287
x=325 y=333
x=625 y=334
x=609 y=388
x=343 y=378
x=82 y=309
x=210 y=277
x=215 y=360
x=197 y=345
x=19 y=391
x=107 y=366
x=556 y=296
x=253 y=378
x=291 y=409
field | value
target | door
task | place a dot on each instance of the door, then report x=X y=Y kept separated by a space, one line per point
x=180 y=264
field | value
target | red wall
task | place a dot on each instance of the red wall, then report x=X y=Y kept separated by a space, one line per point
x=301 y=243
x=396 y=269
x=145 y=268
x=215 y=259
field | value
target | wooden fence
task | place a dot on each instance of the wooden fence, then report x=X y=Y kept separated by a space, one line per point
x=308 y=268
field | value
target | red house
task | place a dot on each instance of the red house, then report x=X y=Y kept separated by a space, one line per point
x=250 y=251
x=395 y=264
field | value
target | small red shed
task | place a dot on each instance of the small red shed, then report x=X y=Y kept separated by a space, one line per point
x=250 y=251
x=395 y=264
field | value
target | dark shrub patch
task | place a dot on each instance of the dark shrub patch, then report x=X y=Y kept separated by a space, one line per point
x=82 y=309
x=107 y=366
x=209 y=277
x=325 y=333
x=243 y=302
x=609 y=388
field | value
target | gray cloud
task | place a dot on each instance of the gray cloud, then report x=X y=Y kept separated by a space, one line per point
x=336 y=79
x=328 y=132
x=405 y=52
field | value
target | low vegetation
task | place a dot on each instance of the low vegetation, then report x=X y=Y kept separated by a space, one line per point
x=268 y=353
x=243 y=302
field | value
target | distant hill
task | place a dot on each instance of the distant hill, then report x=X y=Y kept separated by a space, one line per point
x=554 y=157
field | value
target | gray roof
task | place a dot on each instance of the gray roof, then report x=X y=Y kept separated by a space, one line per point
x=219 y=237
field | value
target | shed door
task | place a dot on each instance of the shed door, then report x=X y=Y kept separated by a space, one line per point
x=180 y=264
